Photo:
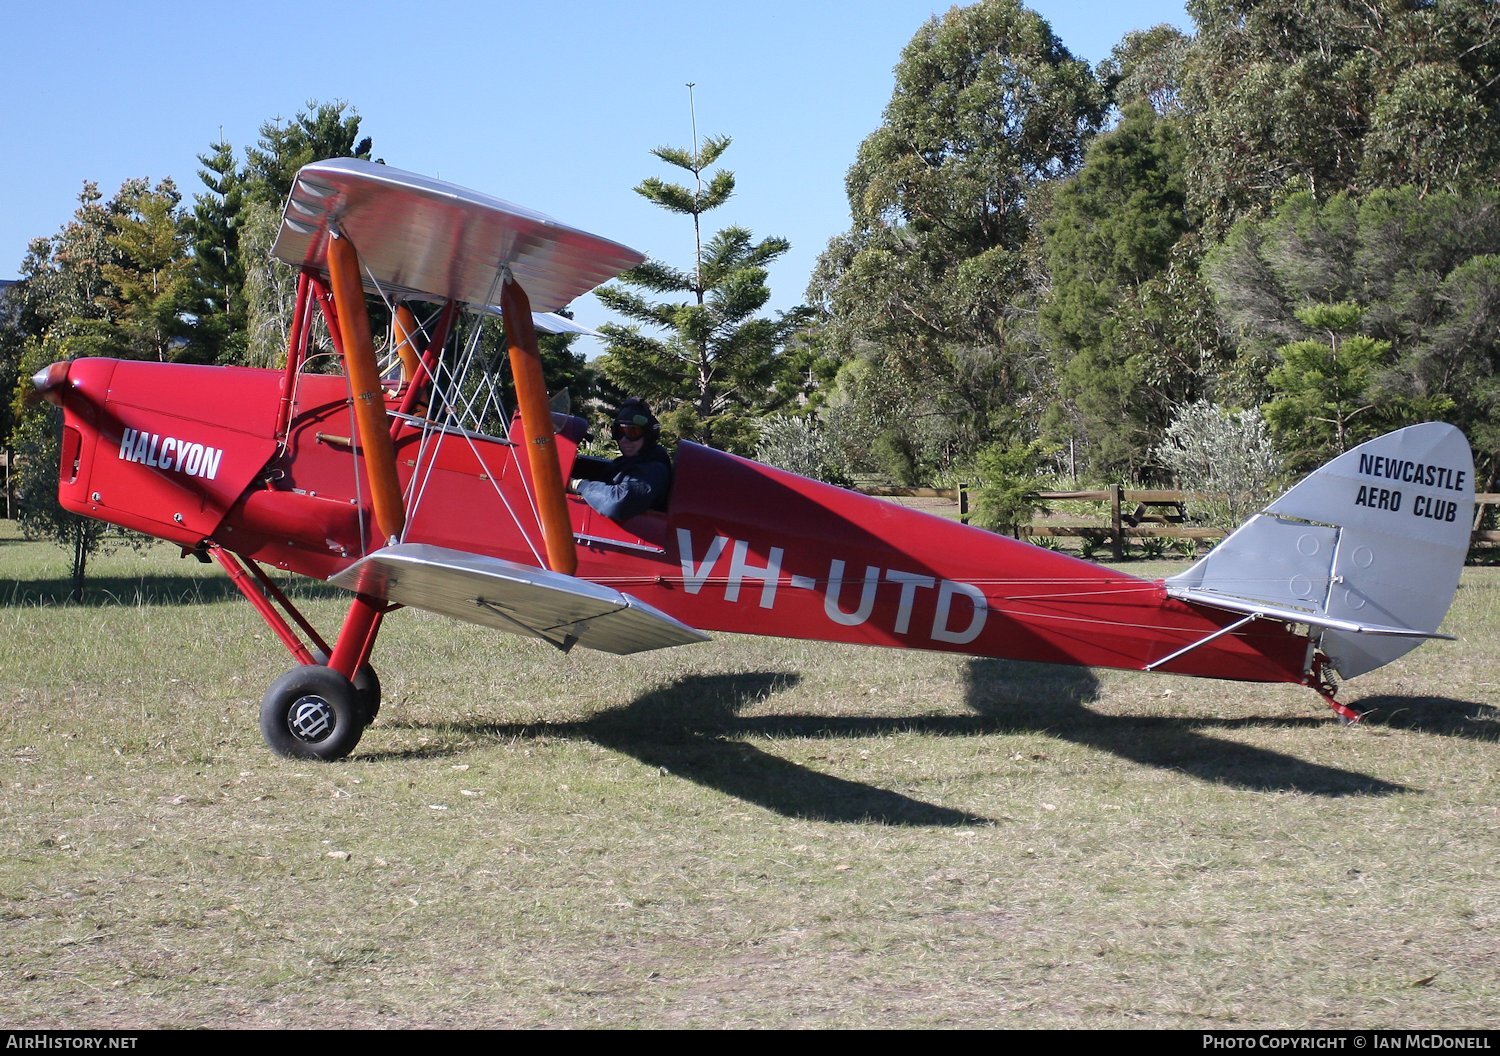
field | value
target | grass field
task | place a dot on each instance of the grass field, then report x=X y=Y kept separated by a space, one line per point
x=746 y=833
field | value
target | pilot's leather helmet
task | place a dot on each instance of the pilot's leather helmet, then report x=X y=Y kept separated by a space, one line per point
x=634 y=419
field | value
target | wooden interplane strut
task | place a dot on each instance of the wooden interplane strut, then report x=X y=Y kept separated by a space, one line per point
x=364 y=385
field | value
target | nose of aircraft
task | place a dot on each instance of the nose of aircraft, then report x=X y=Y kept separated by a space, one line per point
x=46 y=383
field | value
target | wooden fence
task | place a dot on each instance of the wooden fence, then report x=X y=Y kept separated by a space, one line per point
x=1134 y=513
x=1130 y=513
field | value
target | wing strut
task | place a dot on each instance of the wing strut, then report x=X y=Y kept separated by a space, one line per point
x=404 y=332
x=536 y=422
x=1236 y=625
x=364 y=385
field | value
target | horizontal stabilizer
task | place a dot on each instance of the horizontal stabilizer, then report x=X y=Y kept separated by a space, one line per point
x=1312 y=619
x=518 y=599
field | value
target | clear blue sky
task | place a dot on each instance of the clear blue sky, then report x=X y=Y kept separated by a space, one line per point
x=551 y=105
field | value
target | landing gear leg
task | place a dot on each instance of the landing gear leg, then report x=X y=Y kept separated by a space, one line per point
x=319 y=710
x=367 y=691
x=351 y=653
x=366 y=686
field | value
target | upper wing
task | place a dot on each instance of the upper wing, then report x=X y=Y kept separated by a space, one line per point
x=515 y=598
x=422 y=236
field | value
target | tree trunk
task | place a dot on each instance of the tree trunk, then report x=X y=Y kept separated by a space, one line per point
x=80 y=560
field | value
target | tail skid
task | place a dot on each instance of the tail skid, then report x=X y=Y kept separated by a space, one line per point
x=1366 y=551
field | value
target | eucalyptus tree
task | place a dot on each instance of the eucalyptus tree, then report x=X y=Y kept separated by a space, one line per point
x=66 y=305
x=935 y=281
x=1339 y=95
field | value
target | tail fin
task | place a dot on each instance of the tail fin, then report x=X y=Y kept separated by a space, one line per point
x=1366 y=551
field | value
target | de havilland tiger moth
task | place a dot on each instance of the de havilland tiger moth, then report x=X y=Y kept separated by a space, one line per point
x=408 y=485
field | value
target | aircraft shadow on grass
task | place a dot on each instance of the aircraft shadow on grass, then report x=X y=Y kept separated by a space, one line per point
x=1185 y=745
x=1448 y=716
x=694 y=729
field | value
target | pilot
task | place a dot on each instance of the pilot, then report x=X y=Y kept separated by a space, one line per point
x=641 y=476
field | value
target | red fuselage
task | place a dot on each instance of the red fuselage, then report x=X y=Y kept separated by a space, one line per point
x=196 y=454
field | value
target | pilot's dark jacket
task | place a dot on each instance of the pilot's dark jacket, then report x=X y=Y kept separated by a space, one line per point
x=640 y=483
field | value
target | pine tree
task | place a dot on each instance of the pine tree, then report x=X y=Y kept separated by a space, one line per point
x=1325 y=400
x=720 y=362
x=323 y=130
x=218 y=268
x=1111 y=232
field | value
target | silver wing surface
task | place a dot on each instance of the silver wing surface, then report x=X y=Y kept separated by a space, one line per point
x=417 y=235
x=518 y=599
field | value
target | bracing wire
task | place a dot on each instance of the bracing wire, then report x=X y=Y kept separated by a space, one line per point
x=462 y=392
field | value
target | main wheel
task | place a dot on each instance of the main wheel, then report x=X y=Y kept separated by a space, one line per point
x=312 y=713
x=367 y=691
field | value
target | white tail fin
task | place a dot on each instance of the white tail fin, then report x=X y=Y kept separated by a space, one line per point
x=1366 y=551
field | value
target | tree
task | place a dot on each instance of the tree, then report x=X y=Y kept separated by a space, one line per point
x=38 y=451
x=241 y=297
x=218 y=268
x=1425 y=269
x=1111 y=231
x=801 y=444
x=12 y=346
x=880 y=425
x=322 y=130
x=1147 y=66
x=1009 y=475
x=1338 y=95
x=720 y=362
x=270 y=287
x=1324 y=386
x=934 y=280
x=67 y=304
x=1461 y=358
x=1226 y=454
x=151 y=273
x=63 y=275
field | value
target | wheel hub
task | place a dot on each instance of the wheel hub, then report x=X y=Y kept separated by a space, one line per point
x=311 y=718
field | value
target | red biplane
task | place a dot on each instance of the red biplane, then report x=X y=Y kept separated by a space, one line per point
x=393 y=483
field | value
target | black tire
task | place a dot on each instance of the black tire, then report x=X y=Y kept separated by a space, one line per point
x=367 y=691
x=312 y=713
